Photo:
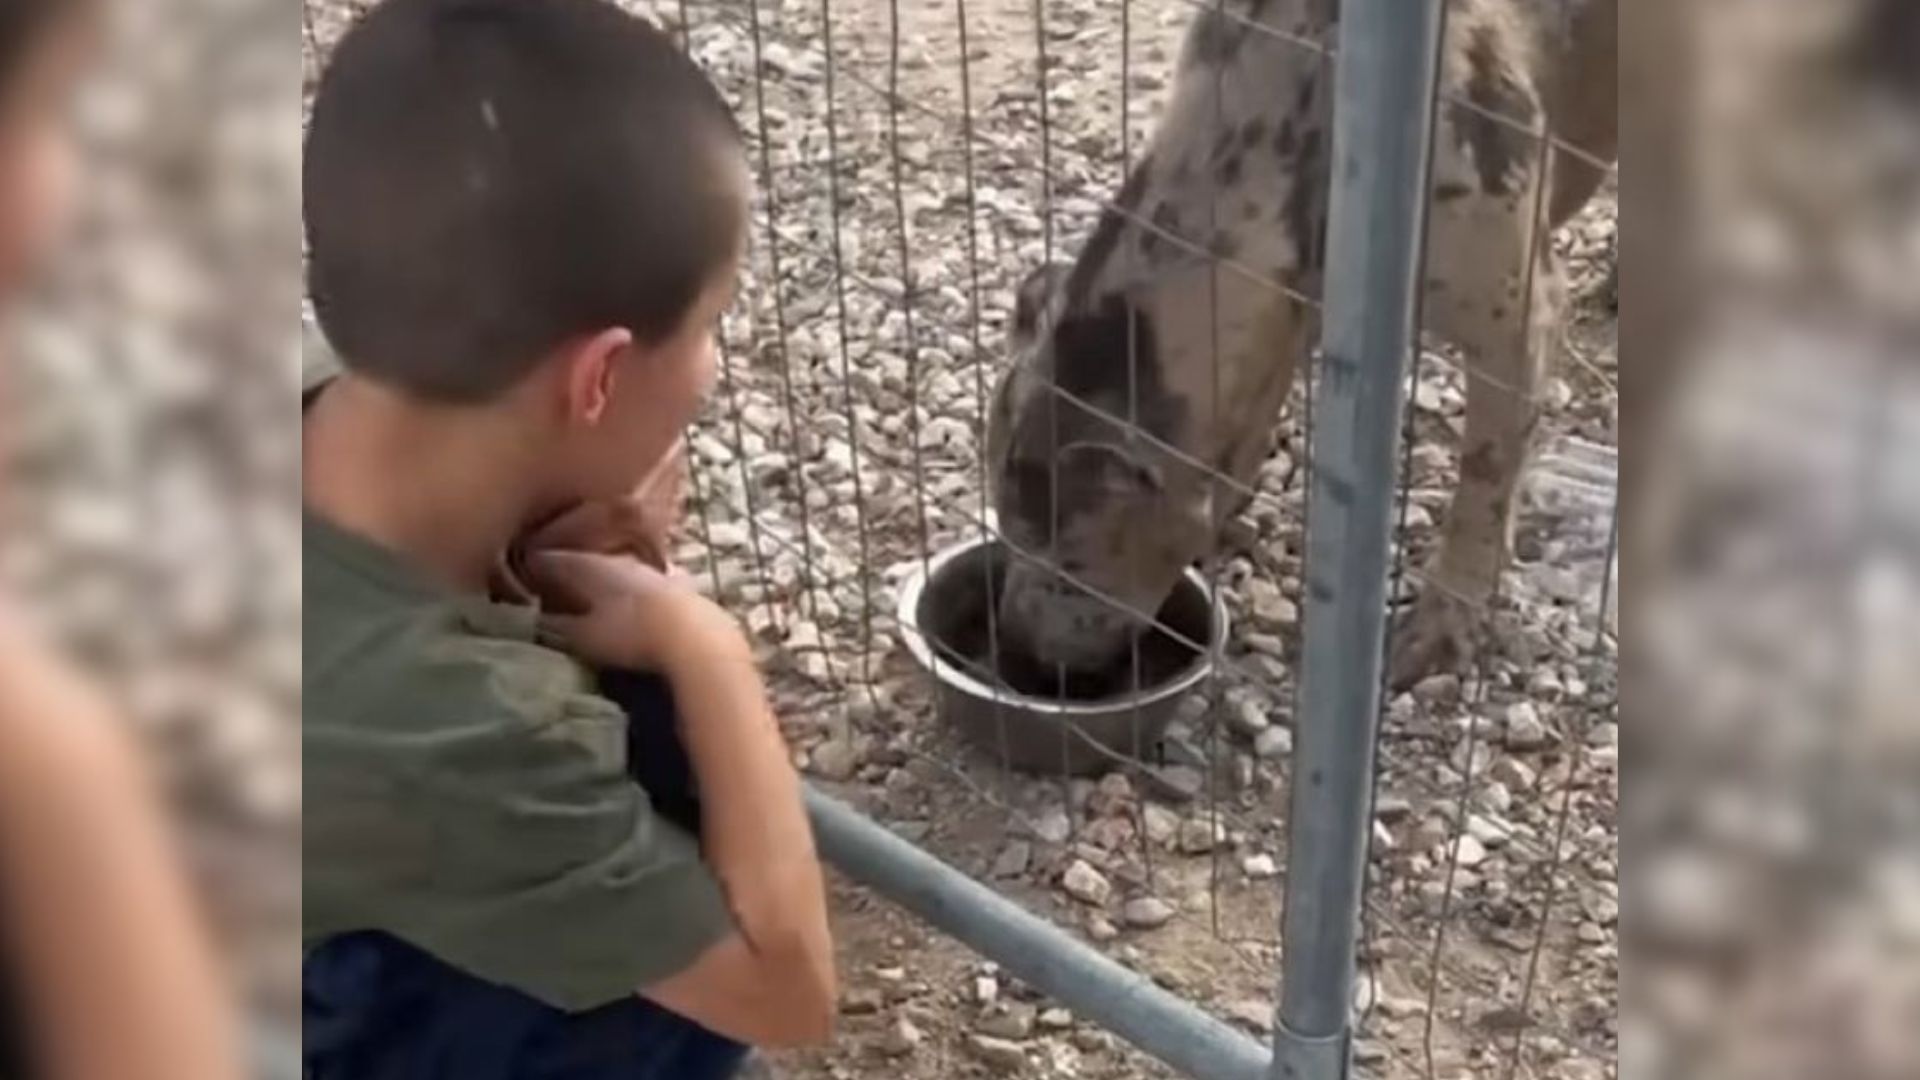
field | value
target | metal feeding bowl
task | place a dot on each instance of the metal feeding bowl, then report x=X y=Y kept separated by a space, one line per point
x=1013 y=708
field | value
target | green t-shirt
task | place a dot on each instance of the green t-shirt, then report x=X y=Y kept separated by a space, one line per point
x=466 y=791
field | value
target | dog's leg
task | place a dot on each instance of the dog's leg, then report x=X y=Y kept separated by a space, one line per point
x=1483 y=295
x=1505 y=359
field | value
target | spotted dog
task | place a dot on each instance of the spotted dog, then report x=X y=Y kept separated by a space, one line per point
x=1237 y=171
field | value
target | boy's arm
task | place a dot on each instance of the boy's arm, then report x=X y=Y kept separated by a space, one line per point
x=118 y=972
x=755 y=834
x=773 y=982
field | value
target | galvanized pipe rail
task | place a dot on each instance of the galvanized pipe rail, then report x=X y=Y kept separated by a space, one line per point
x=1032 y=949
x=1382 y=129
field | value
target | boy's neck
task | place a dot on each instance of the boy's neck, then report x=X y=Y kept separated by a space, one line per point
x=447 y=489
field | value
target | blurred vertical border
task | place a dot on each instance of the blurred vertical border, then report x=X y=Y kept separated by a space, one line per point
x=1771 y=358
x=152 y=487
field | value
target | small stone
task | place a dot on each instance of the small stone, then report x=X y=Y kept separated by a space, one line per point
x=998 y=1053
x=1260 y=867
x=1085 y=884
x=1056 y=1019
x=1430 y=834
x=1197 y=837
x=1253 y=1014
x=1605 y=911
x=861 y=1001
x=1368 y=1052
x=1517 y=775
x=1472 y=852
x=1391 y=808
x=986 y=989
x=902 y=1038
x=1398 y=1008
x=1147 y=913
x=1545 y=683
x=1441 y=689
x=1525 y=731
x=1162 y=824
x=1267 y=645
x=1079 y=790
x=1248 y=719
x=1592 y=933
x=1175 y=783
x=1494 y=796
x=1490 y=833
x=1053 y=826
x=1101 y=929
x=1113 y=795
x=1274 y=742
x=1013 y=859
x=836 y=759
x=1382 y=836
x=1271 y=608
x=1013 y=1023
x=1091 y=1040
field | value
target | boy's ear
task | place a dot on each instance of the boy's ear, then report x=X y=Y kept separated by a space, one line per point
x=592 y=366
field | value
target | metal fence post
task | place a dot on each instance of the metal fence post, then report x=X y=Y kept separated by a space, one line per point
x=1382 y=126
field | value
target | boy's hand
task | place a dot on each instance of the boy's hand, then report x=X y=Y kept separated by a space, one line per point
x=641 y=524
x=617 y=612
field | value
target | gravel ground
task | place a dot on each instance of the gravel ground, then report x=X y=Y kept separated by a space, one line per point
x=845 y=448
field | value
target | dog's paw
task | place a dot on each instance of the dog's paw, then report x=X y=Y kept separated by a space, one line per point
x=1439 y=634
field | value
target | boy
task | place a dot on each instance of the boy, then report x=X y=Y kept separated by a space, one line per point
x=524 y=218
x=99 y=930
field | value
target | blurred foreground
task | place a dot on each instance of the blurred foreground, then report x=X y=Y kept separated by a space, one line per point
x=152 y=466
x=1771 y=311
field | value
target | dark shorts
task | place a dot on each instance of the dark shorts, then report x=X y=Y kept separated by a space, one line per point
x=376 y=1008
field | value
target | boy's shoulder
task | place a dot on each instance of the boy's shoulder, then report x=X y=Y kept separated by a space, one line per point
x=385 y=652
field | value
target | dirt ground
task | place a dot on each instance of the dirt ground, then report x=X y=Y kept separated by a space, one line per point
x=845 y=447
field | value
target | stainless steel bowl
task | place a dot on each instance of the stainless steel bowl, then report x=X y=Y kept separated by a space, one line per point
x=943 y=614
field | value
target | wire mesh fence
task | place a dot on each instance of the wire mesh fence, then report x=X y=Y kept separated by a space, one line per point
x=916 y=162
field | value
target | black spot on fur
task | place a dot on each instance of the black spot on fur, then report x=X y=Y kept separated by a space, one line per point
x=1090 y=364
x=1230 y=170
x=1002 y=405
x=1106 y=234
x=1224 y=246
x=1309 y=157
x=1250 y=211
x=1500 y=151
x=1283 y=142
x=1499 y=313
x=1213 y=41
x=1303 y=97
x=1093 y=257
x=1251 y=133
x=1449 y=190
x=1225 y=145
x=1483 y=464
x=1305 y=209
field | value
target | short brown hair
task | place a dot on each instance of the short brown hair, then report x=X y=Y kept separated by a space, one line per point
x=486 y=178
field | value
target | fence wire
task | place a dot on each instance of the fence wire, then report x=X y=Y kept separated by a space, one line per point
x=913 y=164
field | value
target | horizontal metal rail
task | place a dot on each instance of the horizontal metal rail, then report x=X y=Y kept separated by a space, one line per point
x=1094 y=987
